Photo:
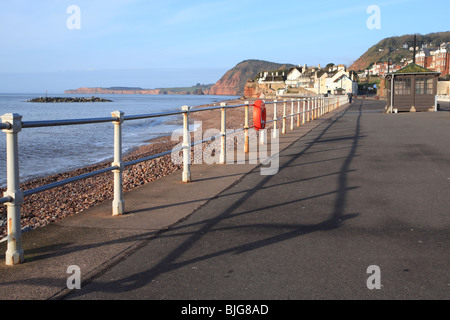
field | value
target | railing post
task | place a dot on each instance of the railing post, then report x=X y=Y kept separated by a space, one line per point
x=283 y=130
x=263 y=134
x=223 y=133
x=246 y=126
x=292 y=114
x=186 y=176
x=14 y=254
x=275 y=118
x=298 y=113
x=309 y=111
x=118 y=205
x=303 y=111
x=316 y=108
x=319 y=107
x=322 y=106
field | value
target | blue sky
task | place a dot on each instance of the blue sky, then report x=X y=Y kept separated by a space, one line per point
x=171 y=43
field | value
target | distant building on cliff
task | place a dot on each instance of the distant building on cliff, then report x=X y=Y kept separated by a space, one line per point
x=312 y=80
x=329 y=80
x=437 y=60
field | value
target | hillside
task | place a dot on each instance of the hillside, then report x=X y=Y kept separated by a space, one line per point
x=392 y=48
x=234 y=80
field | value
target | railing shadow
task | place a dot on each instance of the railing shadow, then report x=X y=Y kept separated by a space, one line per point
x=170 y=261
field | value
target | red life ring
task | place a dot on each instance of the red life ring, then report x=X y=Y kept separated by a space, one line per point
x=259 y=115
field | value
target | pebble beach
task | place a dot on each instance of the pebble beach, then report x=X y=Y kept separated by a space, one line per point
x=47 y=207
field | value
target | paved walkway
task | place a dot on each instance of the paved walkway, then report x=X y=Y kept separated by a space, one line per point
x=357 y=188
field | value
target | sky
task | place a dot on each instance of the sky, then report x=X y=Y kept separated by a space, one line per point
x=54 y=45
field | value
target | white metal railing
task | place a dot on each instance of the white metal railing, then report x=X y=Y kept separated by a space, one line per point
x=308 y=109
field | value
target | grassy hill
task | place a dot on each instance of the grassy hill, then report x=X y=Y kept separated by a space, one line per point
x=197 y=89
x=392 y=48
x=234 y=80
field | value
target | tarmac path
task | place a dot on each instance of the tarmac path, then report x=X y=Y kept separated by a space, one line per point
x=361 y=200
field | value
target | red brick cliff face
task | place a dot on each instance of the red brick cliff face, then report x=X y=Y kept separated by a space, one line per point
x=250 y=90
x=227 y=85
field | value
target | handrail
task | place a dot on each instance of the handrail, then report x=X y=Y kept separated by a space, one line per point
x=12 y=124
x=6 y=199
x=5 y=126
x=67 y=122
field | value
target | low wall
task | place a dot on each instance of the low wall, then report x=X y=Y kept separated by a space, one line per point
x=443 y=88
x=443 y=102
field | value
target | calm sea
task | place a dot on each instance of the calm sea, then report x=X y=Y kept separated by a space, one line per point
x=45 y=151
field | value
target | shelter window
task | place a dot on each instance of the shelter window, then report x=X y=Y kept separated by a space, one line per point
x=420 y=86
x=424 y=86
x=402 y=86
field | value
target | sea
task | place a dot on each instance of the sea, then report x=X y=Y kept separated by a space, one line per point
x=51 y=150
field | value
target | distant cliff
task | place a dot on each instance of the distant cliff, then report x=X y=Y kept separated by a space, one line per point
x=85 y=90
x=234 y=80
x=198 y=89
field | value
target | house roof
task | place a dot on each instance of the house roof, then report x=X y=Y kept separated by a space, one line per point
x=332 y=73
x=410 y=69
x=320 y=73
x=413 y=68
x=295 y=68
x=340 y=77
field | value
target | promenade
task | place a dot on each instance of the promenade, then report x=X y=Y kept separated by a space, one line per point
x=355 y=188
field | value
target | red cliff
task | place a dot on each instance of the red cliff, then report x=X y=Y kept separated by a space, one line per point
x=228 y=84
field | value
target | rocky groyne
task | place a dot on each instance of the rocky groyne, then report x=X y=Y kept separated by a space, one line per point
x=67 y=99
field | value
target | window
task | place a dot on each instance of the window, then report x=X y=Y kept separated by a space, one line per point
x=402 y=86
x=420 y=86
x=424 y=86
x=429 y=86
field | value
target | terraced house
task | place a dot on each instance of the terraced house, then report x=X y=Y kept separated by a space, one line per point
x=437 y=60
